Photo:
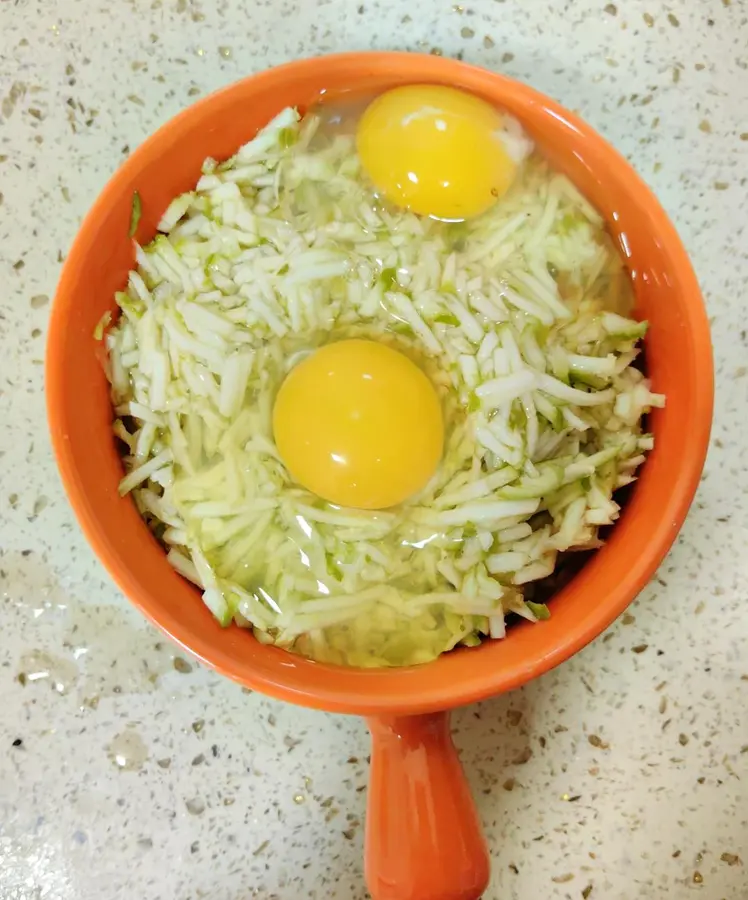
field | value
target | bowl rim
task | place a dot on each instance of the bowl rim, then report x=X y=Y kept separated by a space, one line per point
x=393 y=696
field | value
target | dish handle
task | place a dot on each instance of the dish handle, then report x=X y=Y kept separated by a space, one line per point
x=423 y=837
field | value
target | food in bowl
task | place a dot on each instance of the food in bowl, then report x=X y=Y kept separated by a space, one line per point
x=504 y=407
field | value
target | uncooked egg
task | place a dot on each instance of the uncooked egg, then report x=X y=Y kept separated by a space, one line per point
x=438 y=151
x=359 y=424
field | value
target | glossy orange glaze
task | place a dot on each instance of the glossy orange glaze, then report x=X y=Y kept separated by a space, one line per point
x=423 y=837
x=679 y=362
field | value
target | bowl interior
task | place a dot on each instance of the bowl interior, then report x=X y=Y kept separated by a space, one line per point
x=678 y=358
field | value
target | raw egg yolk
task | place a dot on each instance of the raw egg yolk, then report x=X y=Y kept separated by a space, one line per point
x=435 y=150
x=359 y=424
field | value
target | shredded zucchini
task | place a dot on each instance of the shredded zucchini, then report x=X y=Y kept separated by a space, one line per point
x=136 y=212
x=279 y=250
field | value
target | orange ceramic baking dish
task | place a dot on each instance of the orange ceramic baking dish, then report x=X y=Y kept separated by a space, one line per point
x=423 y=838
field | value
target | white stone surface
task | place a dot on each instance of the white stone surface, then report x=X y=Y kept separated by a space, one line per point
x=134 y=779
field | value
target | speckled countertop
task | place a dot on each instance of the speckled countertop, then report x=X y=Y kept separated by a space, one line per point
x=127 y=771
